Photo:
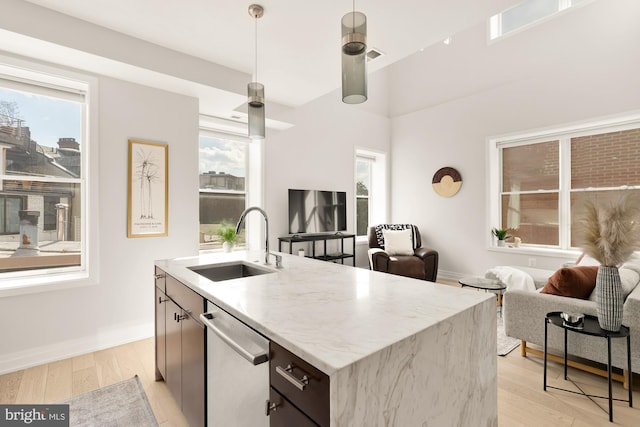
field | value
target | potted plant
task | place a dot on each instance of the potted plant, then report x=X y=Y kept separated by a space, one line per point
x=501 y=234
x=228 y=235
x=610 y=236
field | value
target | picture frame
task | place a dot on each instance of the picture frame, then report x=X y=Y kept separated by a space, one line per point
x=148 y=189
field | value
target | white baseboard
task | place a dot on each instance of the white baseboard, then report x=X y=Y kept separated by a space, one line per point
x=11 y=362
x=451 y=275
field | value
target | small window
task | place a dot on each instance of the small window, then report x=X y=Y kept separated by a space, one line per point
x=223 y=185
x=525 y=13
x=363 y=184
x=10 y=207
x=370 y=189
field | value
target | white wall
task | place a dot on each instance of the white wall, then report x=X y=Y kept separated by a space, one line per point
x=578 y=66
x=318 y=153
x=119 y=308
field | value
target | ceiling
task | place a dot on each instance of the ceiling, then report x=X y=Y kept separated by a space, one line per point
x=299 y=43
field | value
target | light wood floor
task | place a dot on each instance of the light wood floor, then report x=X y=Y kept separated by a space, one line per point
x=521 y=400
x=60 y=380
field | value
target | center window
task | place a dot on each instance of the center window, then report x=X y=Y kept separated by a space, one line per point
x=223 y=188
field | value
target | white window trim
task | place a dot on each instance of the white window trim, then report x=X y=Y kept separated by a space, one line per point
x=254 y=164
x=494 y=23
x=379 y=191
x=35 y=281
x=626 y=121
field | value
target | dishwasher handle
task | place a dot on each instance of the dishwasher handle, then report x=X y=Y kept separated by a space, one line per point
x=255 y=358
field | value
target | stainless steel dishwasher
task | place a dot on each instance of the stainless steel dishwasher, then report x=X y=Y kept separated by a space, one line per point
x=237 y=371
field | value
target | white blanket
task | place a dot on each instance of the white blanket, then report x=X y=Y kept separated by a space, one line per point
x=511 y=277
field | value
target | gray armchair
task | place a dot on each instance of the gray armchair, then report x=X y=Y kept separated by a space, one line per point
x=423 y=264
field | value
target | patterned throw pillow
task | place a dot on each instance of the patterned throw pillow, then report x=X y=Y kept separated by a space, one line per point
x=380 y=236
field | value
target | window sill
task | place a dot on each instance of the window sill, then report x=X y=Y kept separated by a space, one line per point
x=362 y=240
x=45 y=281
x=537 y=251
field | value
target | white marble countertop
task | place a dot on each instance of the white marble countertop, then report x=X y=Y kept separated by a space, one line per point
x=329 y=314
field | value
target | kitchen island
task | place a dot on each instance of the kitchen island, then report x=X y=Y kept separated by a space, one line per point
x=397 y=351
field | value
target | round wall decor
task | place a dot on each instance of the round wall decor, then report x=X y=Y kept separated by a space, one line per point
x=446 y=181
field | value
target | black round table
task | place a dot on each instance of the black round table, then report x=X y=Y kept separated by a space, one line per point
x=590 y=326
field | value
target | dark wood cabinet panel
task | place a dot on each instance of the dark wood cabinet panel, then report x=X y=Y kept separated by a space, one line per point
x=285 y=414
x=180 y=346
x=173 y=355
x=161 y=332
x=311 y=395
x=193 y=372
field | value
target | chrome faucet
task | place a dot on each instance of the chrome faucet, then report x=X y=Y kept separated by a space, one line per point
x=266 y=232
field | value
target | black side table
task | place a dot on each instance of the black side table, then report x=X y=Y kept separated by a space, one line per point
x=590 y=327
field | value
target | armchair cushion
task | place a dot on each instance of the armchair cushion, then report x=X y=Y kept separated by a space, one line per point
x=398 y=242
x=379 y=235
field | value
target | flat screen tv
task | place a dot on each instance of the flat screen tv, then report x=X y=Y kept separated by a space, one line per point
x=316 y=212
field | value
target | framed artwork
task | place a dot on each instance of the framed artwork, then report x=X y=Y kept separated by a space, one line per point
x=148 y=179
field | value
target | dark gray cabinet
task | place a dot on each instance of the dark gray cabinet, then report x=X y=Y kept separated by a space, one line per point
x=299 y=391
x=161 y=333
x=180 y=346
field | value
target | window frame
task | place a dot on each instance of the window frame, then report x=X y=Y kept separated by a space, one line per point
x=563 y=134
x=46 y=80
x=379 y=191
x=494 y=23
x=211 y=129
x=369 y=162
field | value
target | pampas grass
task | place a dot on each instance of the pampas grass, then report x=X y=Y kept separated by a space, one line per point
x=610 y=233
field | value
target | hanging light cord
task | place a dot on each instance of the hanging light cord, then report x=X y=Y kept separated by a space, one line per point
x=255 y=32
x=353 y=18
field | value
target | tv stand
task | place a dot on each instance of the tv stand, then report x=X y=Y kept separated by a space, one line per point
x=335 y=257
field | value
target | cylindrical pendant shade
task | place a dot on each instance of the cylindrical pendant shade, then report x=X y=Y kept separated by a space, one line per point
x=354 y=61
x=255 y=110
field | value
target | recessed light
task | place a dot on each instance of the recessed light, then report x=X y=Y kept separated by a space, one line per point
x=447 y=41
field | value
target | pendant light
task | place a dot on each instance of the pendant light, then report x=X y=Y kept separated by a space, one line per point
x=255 y=90
x=354 y=57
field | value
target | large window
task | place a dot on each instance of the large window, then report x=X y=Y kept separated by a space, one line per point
x=43 y=145
x=526 y=13
x=223 y=185
x=544 y=180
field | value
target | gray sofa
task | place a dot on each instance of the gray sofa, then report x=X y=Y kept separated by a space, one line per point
x=524 y=313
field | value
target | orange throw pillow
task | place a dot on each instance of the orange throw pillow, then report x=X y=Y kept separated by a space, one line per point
x=574 y=282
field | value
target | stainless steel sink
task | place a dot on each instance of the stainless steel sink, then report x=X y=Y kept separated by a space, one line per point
x=228 y=271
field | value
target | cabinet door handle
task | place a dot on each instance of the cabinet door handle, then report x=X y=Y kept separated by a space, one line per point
x=288 y=375
x=160 y=276
x=270 y=407
x=180 y=317
x=160 y=300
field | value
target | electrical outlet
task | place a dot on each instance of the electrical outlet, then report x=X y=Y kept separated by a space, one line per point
x=532 y=262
